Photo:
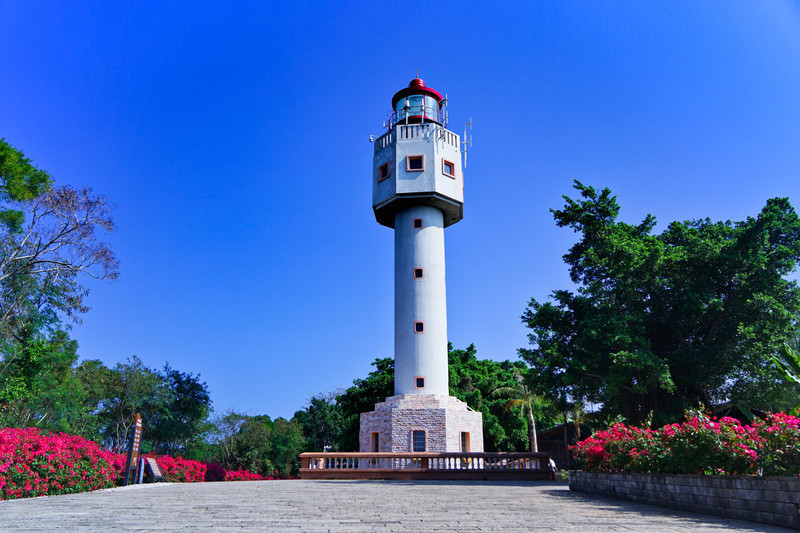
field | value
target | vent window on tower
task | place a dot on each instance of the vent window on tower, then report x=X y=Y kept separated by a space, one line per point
x=383 y=171
x=419 y=327
x=417 y=223
x=419 y=382
x=418 y=273
x=448 y=168
x=415 y=163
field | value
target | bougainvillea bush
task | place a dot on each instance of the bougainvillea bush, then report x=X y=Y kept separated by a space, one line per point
x=700 y=445
x=32 y=464
x=243 y=475
x=178 y=470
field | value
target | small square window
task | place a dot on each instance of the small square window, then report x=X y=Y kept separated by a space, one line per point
x=418 y=441
x=419 y=382
x=418 y=273
x=448 y=168
x=415 y=163
x=383 y=171
x=417 y=223
x=419 y=327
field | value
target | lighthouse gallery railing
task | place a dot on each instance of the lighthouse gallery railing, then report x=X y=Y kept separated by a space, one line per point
x=403 y=132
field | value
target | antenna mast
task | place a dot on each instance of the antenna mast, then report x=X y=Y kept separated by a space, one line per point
x=467 y=141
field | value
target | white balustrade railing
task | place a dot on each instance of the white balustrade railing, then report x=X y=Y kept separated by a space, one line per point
x=483 y=461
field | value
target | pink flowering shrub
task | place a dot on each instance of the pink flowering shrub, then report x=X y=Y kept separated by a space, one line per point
x=700 y=445
x=243 y=475
x=177 y=470
x=778 y=444
x=32 y=464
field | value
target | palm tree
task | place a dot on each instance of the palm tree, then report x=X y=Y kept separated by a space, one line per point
x=523 y=396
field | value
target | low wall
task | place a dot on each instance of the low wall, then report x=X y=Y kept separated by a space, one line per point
x=770 y=500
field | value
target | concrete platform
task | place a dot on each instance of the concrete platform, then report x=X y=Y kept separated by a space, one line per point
x=339 y=506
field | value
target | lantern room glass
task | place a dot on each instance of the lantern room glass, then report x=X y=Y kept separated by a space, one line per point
x=417 y=106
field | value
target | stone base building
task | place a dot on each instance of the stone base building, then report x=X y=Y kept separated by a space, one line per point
x=421 y=422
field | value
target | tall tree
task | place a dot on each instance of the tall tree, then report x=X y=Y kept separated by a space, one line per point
x=324 y=423
x=664 y=322
x=48 y=241
x=40 y=388
x=258 y=444
x=181 y=426
x=132 y=388
x=362 y=397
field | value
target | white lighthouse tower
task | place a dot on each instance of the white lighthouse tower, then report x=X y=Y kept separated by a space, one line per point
x=418 y=190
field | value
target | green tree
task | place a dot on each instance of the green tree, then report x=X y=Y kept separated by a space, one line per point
x=362 y=397
x=474 y=381
x=375 y=388
x=258 y=444
x=180 y=428
x=132 y=388
x=40 y=389
x=664 y=322
x=96 y=381
x=48 y=241
x=224 y=429
x=323 y=423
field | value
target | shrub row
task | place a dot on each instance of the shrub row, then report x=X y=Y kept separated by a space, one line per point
x=33 y=464
x=700 y=445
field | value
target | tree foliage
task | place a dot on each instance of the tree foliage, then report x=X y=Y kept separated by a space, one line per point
x=48 y=241
x=662 y=322
x=362 y=397
x=324 y=423
x=258 y=444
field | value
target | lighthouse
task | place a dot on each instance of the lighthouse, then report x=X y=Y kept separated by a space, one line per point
x=418 y=191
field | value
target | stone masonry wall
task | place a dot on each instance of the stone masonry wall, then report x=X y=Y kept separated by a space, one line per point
x=770 y=500
x=443 y=418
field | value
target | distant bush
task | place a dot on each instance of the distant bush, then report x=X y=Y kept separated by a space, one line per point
x=700 y=445
x=179 y=470
x=243 y=475
x=214 y=472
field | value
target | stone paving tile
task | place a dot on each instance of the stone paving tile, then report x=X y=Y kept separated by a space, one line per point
x=352 y=506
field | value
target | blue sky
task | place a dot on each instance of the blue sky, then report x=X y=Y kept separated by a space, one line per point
x=233 y=140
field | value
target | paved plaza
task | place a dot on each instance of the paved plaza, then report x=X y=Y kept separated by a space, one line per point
x=339 y=506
